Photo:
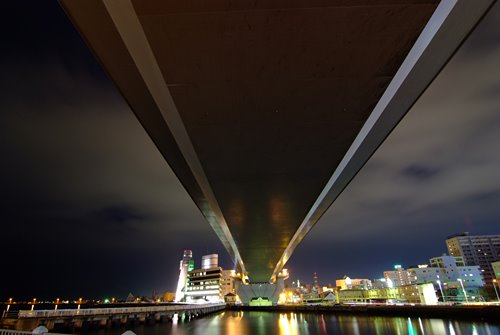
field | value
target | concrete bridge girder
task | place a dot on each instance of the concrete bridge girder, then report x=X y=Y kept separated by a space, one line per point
x=180 y=70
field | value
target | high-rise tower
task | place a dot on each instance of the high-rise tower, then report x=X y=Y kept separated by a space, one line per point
x=479 y=250
x=186 y=265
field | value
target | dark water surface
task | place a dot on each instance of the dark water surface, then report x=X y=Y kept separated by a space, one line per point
x=260 y=323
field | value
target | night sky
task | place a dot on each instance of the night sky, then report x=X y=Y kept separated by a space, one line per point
x=90 y=209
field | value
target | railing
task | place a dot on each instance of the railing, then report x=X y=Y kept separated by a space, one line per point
x=9 y=315
x=19 y=332
x=14 y=332
x=113 y=311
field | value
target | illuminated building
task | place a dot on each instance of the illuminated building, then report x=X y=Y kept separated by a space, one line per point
x=418 y=294
x=348 y=283
x=479 y=250
x=231 y=298
x=210 y=283
x=448 y=274
x=204 y=285
x=328 y=297
x=260 y=294
x=398 y=277
x=227 y=282
x=210 y=261
x=168 y=297
x=379 y=283
x=323 y=298
x=186 y=265
x=446 y=261
x=447 y=269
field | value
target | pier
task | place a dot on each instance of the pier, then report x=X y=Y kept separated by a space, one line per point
x=104 y=317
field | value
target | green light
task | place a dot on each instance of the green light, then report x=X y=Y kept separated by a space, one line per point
x=410 y=327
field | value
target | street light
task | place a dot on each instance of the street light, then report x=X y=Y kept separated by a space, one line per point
x=463 y=289
x=8 y=305
x=33 y=305
x=441 y=289
x=495 y=287
x=56 y=304
x=79 y=303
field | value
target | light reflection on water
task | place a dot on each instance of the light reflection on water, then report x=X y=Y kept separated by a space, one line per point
x=262 y=323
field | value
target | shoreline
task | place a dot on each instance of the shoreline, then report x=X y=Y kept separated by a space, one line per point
x=469 y=312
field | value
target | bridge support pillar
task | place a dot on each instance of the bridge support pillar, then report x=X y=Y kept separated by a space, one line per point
x=267 y=292
x=76 y=324
x=103 y=323
x=27 y=324
x=49 y=324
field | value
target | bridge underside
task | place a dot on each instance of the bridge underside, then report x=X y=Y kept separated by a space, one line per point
x=255 y=104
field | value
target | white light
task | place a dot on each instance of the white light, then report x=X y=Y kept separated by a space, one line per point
x=206 y=292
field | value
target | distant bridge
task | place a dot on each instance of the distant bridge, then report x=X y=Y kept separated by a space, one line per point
x=266 y=110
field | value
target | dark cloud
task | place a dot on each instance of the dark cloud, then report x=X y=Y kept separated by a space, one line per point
x=82 y=185
x=121 y=215
x=420 y=172
x=484 y=196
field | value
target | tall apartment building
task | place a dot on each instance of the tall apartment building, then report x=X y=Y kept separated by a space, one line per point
x=481 y=250
x=398 y=277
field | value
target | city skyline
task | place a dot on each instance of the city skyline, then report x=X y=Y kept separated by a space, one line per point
x=90 y=206
x=197 y=264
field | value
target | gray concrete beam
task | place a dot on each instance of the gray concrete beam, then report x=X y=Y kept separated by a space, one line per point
x=127 y=23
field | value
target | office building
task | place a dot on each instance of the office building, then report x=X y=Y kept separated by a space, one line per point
x=210 y=283
x=481 y=250
x=204 y=285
